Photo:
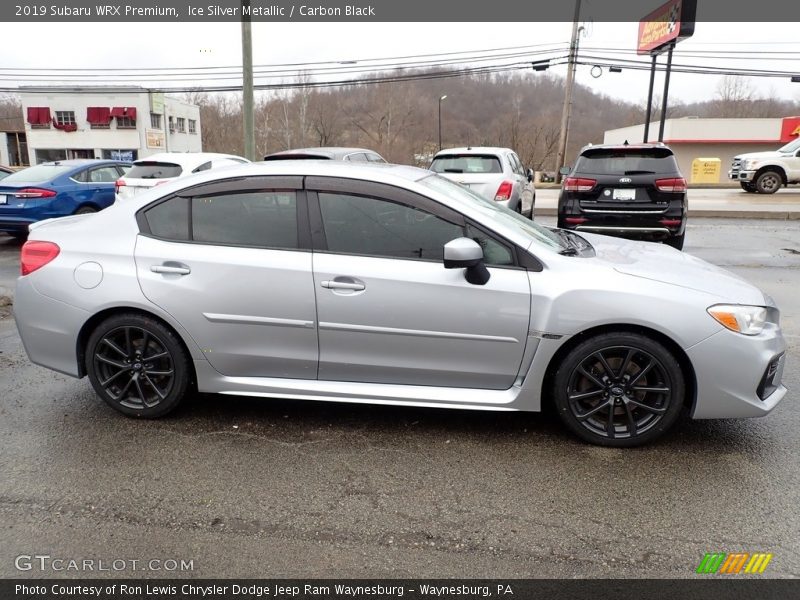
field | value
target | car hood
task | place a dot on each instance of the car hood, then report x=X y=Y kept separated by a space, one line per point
x=752 y=155
x=658 y=262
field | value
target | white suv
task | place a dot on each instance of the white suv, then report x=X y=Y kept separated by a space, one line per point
x=494 y=173
x=160 y=168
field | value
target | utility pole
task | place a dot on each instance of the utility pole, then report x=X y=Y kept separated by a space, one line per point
x=571 y=64
x=247 y=85
x=666 y=95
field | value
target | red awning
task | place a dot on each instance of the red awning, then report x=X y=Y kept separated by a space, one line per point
x=98 y=115
x=38 y=115
x=124 y=111
x=68 y=127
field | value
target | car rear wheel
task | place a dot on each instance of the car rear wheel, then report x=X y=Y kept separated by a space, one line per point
x=676 y=241
x=769 y=182
x=137 y=365
x=748 y=187
x=619 y=389
x=85 y=210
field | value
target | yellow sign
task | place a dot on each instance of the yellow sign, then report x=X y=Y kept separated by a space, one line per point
x=157 y=103
x=706 y=170
x=154 y=138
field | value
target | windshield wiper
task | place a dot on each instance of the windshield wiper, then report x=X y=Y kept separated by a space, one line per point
x=454 y=170
x=635 y=172
x=571 y=251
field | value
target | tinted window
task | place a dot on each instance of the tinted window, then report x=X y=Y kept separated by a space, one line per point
x=358 y=157
x=38 y=174
x=362 y=225
x=494 y=252
x=204 y=167
x=626 y=162
x=372 y=157
x=265 y=218
x=466 y=163
x=154 y=170
x=170 y=219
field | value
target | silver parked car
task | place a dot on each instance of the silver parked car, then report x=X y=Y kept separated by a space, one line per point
x=494 y=173
x=391 y=285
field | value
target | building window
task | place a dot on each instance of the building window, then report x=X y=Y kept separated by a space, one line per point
x=65 y=117
x=192 y=126
x=181 y=125
x=155 y=121
x=47 y=155
x=171 y=125
x=126 y=123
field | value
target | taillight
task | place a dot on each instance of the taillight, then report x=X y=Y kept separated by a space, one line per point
x=504 y=191
x=34 y=193
x=670 y=222
x=36 y=254
x=579 y=184
x=118 y=184
x=673 y=184
x=575 y=220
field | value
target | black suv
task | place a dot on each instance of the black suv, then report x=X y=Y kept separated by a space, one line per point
x=632 y=191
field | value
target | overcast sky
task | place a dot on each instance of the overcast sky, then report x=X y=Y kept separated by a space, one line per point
x=153 y=45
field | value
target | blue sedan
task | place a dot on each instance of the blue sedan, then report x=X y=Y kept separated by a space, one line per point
x=56 y=189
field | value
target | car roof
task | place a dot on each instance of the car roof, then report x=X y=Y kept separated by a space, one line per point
x=325 y=152
x=643 y=146
x=185 y=159
x=474 y=150
x=82 y=162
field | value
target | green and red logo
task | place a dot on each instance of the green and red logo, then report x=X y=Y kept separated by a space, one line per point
x=734 y=563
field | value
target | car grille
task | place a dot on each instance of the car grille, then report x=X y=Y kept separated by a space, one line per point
x=736 y=166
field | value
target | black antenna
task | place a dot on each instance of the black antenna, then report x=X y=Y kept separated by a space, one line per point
x=626 y=143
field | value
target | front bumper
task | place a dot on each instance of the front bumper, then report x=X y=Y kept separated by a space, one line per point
x=746 y=176
x=730 y=369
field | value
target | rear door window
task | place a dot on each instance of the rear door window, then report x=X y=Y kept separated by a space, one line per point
x=466 y=163
x=154 y=170
x=626 y=162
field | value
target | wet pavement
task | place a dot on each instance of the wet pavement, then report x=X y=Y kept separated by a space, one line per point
x=268 y=488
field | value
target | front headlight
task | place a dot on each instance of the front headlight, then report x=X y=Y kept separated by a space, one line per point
x=748 y=320
x=750 y=164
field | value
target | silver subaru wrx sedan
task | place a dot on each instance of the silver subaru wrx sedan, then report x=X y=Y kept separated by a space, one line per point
x=391 y=285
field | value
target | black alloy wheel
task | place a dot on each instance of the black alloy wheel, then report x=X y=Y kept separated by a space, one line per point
x=85 y=210
x=137 y=366
x=619 y=390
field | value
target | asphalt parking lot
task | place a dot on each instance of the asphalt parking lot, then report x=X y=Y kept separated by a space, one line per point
x=267 y=488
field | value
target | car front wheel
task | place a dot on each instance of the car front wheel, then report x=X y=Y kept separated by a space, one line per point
x=769 y=182
x=137 y=365
x=619 y=389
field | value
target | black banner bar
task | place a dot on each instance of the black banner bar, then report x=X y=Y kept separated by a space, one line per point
x=717 y=588
x=380 y=11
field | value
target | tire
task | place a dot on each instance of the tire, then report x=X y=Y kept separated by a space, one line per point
x=137 y=365
x=748 y=187
x=19 y=236
x=85 y=210
x=768 y=182
x=676 y=241
x=605 y=372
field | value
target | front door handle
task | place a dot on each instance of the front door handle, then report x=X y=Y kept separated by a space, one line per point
x=344 y=284
x=171 y=269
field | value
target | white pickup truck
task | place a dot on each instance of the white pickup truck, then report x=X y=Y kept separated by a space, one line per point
x=766 y=172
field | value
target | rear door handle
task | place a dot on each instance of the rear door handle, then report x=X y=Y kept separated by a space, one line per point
x=171 y=269
x=344 y=284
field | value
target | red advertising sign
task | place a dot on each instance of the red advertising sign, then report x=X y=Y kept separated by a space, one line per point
x=669 y=23
x=790 y=129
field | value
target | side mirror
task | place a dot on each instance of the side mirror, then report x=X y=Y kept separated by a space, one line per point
x=565 y=170
x=529 y=173
x=464 y=253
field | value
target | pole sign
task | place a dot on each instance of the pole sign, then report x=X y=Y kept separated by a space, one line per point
x=668 y=24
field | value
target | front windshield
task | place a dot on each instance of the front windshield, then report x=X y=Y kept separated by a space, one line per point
x=791 y=146
x=495 y=211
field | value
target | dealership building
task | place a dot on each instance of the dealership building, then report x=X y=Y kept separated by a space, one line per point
x=693 y=138
x=122 y=123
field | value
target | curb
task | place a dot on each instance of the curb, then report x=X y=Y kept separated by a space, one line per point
x=777 y=215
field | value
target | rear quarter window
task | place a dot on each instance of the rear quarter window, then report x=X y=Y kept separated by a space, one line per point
x=627 y=162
